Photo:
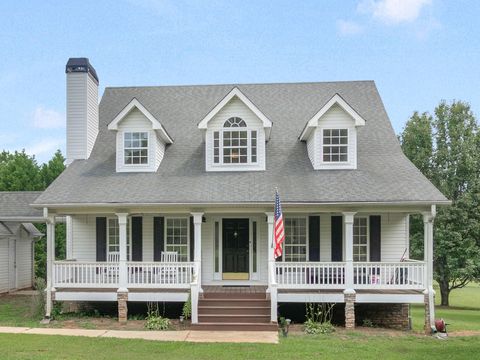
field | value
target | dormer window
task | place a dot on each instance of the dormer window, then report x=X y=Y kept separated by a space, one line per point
x=235 y=146
x=335 y=145
x=135 y=148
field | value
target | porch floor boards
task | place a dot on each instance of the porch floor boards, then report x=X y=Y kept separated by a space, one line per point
x=217 y=289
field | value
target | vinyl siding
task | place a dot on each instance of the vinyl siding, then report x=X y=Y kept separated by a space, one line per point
x=24 y=260
x=76 y=116
x=394 y=236
x=137 y=122
x=92 y=113
x=235 y=108
x=335 y=118
x=4 y=264
x=311 y=149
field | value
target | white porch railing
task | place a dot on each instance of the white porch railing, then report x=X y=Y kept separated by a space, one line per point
x=366 y=275
x=73 y=274
x=310 y=274
x=85 y=274
x=389 y=275
x=160 y=274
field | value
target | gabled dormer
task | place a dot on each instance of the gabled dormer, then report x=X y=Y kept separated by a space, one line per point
x=331 y=135
x=141 y=139
x=235 y=135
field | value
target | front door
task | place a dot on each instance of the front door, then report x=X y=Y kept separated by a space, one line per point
x=235 y=249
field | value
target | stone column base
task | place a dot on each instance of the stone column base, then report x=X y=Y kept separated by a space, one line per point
x=350 y=310
x=122 y=298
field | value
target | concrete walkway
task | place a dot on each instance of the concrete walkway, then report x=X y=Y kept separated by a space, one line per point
x=267 y=337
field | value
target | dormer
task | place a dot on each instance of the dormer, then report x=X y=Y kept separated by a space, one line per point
x=235 y=133
x=331 y=135
x=141 y=139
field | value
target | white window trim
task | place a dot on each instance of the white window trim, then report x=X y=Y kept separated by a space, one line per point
x=220 y=147
x=129 y=236
x=149 y=147
x=322 y=145
x=188 y=233
x=307 y=238
x=367 y=218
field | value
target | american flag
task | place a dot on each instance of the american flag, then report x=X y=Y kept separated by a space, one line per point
x=279 y=231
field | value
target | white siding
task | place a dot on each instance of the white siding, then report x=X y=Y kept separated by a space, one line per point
x=147 y=232
x=4 y=263
x=235 y=108
x=137 y=122
x=24 y=260
x=335 y=118
x=325 y=237
x=82 y=115
x=311 y=149
x=394 y=236
x=84 y=237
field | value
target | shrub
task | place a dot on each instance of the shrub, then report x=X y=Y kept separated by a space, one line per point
x=368 y=323
x=187 y=308
x=154 y=320
x=40 y=298
x=319 y=319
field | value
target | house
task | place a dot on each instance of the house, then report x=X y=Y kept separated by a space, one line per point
x=17 y=237
x=169 y=193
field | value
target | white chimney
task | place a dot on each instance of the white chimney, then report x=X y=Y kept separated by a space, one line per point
x=82 y=108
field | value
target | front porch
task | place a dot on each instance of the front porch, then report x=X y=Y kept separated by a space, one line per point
x=337 y=258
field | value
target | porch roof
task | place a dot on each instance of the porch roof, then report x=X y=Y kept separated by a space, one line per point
x=384 y=174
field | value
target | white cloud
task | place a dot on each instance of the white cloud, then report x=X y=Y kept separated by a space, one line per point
x=45 y=148
x=44 y=118
x=393 y=11
x=346 y=27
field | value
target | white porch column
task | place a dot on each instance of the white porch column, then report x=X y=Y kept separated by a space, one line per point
x=69 y=237
x=50 y=259
x=122 y=266
x=196 y=287
x=271 y=260
x=428 y=218
x=348 y=226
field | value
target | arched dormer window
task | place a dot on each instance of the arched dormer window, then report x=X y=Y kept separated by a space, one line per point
x=232 y=146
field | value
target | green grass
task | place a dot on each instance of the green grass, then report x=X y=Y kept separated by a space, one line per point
x=463 y=314
x=295 y=347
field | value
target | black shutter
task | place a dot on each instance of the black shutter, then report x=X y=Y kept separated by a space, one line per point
x=192 y=240
x=158 y=237
x=375 y=237
x=137 y=238
x=314 y=238
x=101 y=234
x=337 y=238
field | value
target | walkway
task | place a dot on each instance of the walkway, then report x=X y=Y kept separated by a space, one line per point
x=267 y=337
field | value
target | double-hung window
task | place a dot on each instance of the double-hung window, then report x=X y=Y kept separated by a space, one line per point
x=335 y=145
x=113 y=240
x=177 y=237
x=235 y=143
x=135 y=148
x=295 y=245
x=360 y=239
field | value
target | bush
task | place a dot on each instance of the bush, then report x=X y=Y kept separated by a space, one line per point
x=154 y=320
x=40 y=298
x=319 y=319
x=368 y=323
x=187 y=308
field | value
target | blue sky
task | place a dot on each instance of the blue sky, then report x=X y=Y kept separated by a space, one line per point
x=417 y=51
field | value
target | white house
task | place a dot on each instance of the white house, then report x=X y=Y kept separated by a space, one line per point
x=169 y=192
x=17 y=236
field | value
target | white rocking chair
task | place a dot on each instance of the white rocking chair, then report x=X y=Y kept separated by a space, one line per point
x=168 y=274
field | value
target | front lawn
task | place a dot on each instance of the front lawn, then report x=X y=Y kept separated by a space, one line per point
x=350 y=346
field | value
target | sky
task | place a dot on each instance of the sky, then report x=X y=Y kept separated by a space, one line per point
x=418 y=52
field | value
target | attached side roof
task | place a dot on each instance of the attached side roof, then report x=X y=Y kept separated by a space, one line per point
x=10 y=228
x=15 y=205
x=135 y=104
x=383 y=173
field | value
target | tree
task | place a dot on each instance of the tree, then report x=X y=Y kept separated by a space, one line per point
x=445 y=148
x=20 y=172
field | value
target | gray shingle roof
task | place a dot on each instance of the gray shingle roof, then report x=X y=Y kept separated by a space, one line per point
x=17 y=204
x=384 y=174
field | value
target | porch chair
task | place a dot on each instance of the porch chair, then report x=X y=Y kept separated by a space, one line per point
x=168 y=274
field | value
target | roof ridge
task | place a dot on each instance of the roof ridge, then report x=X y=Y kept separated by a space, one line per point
x=242 y=84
